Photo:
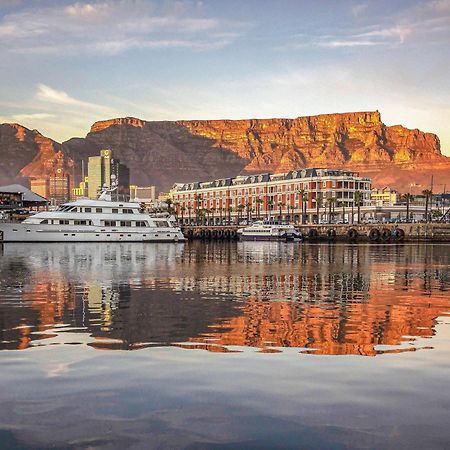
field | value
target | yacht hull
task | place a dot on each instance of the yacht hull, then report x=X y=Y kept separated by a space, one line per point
x=20 y=232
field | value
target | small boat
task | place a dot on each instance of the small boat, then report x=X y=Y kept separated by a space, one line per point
x=266 y=231
x=99 y=220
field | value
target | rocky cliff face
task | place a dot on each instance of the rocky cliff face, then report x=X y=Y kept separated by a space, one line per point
x=162 y=153
x=27 y=153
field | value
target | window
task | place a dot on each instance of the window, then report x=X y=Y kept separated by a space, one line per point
x=98 y=210
x=64 y=222
x=44 y=221
x=161 y=223
x=115 y=211
x=110 y=223
x=127 y=211
x=142 y=224
x=87 y=209
x=125 y=223
x=80 y=222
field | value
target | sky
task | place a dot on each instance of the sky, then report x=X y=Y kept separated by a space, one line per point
x=66 y=64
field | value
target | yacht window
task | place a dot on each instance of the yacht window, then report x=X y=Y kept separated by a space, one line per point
x=44 y=221
x=82 y=222
x=98 y=210
x=110 y=223
x=115 y=211
x=141 y=223
x=64 y=222
x=127 y=211
x=161 y=223
x=125 y=223
x=87 y=210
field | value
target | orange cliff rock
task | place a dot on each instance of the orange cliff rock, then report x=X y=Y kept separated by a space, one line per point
x=27 y=153
x=163 y=153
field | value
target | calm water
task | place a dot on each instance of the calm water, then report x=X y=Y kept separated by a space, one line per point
x=224 y=346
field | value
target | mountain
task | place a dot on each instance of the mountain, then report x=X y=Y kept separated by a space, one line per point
x=27 y=153
x=163 y=153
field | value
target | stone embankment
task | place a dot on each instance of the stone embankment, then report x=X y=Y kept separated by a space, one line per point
x=403 y=232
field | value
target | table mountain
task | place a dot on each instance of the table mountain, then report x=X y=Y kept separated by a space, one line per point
x=27 y=153
x=165 y=152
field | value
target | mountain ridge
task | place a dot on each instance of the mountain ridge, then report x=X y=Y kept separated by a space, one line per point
x=165 y=152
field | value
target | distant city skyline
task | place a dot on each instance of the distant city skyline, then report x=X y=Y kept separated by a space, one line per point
x=66 y=64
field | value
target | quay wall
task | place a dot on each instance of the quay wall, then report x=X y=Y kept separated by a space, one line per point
x=436 y=232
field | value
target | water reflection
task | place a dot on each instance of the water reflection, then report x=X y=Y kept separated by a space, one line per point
x=322 y=299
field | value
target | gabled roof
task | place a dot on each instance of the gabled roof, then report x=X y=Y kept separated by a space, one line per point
x=28 y=195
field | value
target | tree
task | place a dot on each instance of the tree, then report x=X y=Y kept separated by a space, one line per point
x=358 y=199
x=249 y=210
x=341 y=204
x=189 y=208
x=270 y=205
x=240 y=208
x=304 y=198
x=169 y=203
x=427 y=193
x=408 y=197
x=318 y=202
x=259 y=201
x=281 y=207
x=198 y=200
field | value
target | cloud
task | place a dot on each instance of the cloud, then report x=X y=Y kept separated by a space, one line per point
x=346 y=43
x=114 y=26
x=359 y=9
x=47 y=94
x=400 y=32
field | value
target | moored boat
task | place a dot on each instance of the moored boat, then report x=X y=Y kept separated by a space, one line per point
x=99 y=220
x=266 y=231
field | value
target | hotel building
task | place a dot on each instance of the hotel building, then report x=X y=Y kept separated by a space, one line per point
x=299 y=195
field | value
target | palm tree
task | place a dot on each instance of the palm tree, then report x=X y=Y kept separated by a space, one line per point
x=249 y=210
x=408 y=197
x=304 y=198
x=270 y=205
x=198 y=204
x=240 y=208
x=259 y=201
x=282 y=206
x=318 y=202
x=341 y=204
x=358 y=199
x=169 y=203
x=428 y=193
x=331 y=202
x=189 y=208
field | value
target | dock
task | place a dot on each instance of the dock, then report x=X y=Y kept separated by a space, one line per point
x=378 y=232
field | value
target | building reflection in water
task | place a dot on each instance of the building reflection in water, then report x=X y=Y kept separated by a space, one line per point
x=322 y=299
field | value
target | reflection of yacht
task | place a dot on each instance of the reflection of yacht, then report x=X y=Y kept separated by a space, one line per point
x=262 y=231
x=99 y=220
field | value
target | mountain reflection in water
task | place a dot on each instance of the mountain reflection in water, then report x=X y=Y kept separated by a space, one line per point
x=321 y=299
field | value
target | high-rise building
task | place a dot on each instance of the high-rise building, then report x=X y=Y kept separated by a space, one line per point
x=104 y=169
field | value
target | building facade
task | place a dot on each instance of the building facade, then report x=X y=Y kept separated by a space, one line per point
x=304 y=195
x=102 y=170
x=143 y=194
x=56 y=186
x=82 y=190
x=384 y=197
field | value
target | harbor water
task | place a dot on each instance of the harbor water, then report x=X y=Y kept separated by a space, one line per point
x=225 y=345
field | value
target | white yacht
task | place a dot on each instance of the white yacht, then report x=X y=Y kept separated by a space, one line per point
x=99 y=220
x=265 y=231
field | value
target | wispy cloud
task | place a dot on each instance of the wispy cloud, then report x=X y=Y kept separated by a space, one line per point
x=114 y=26
x=46 y=94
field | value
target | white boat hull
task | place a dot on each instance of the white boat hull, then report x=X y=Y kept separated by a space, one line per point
x=20 y=232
